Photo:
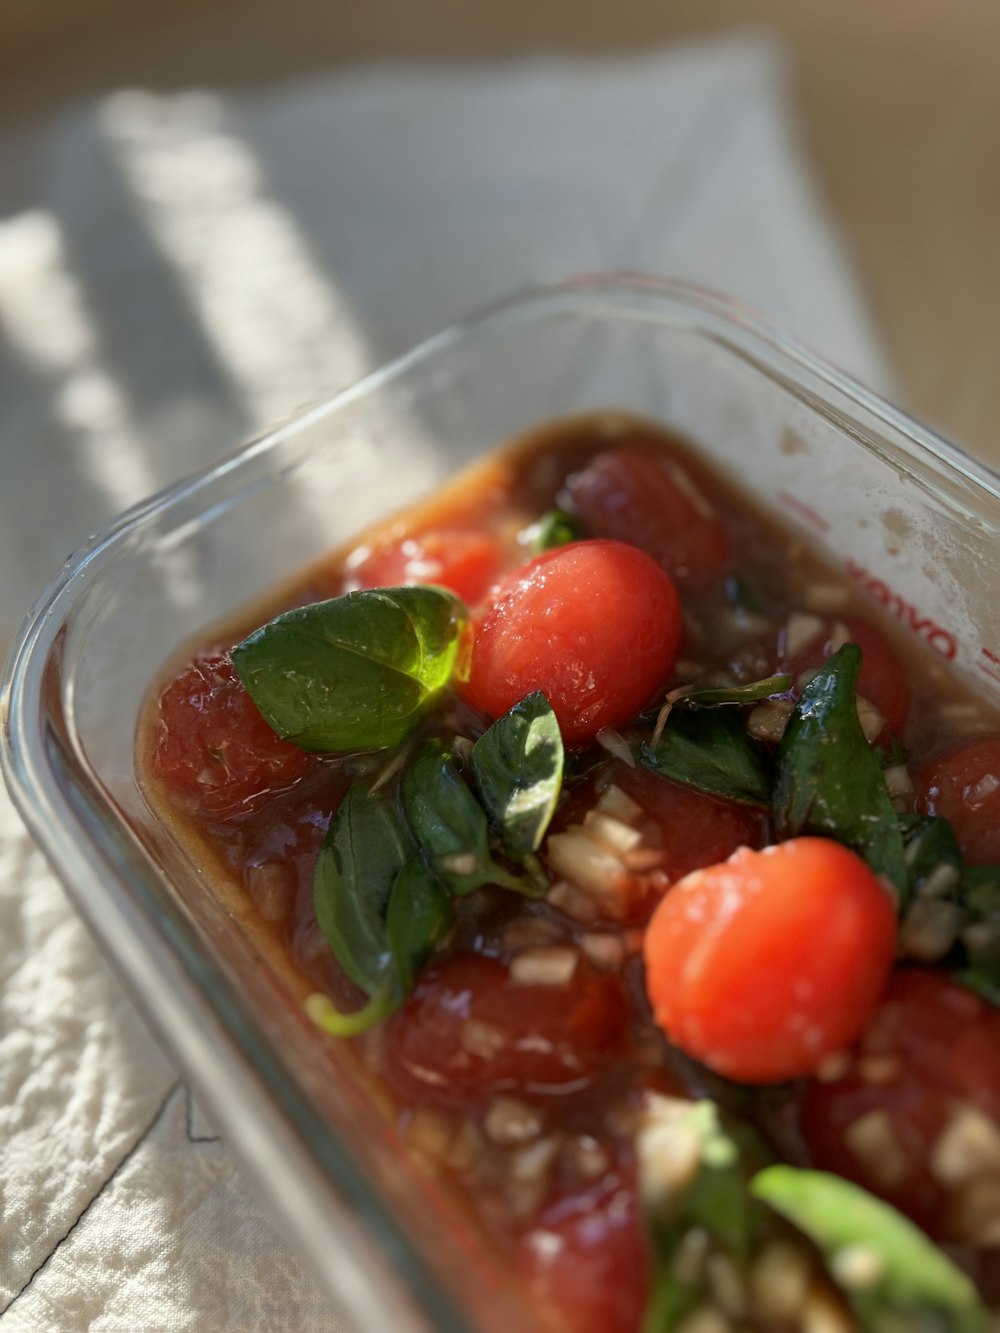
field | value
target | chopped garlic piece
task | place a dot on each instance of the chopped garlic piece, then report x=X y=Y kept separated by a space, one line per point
x=509 y=1121
x=618 y=805
x=857 y=1267
x=779 y=1280
x=873 y=1140
x=615 y=835
x=801 y=632
x=929 y=929
x=615 y=743
x=839 y=635
x=553 y=966
x=668 y=1149
x=704 y=1320
x=576 y=856
x=769 y=719
x=872 y=721
x=967 y=1147
x=898 y=782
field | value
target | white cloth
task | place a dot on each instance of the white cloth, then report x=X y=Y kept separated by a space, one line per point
x=189 y=268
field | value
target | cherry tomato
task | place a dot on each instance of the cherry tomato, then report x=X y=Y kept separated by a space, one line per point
x=658 y=503
x=680 y=830
x=466 y=563
x=692 y=830
x=585 y=1262
x=211 y=747
x=468 y=1032
x=883 y=681
x=594 y=624
x=764 y=964
x=930 y=1049
x=963 y=785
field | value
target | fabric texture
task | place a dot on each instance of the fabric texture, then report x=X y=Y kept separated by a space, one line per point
x=191 y=268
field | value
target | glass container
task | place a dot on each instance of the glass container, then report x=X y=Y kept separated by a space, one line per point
x=903 y=513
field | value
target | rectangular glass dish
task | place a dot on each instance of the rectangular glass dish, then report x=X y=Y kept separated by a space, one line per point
x=904 y=514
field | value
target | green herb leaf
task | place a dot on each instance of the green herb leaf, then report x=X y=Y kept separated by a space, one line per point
x=379 y=907
x=354 y=673
x=712 y=752
x=907 y=1275
x=518 y=767
x=325 y=1014
x=751 y=693
x=556 y=528
x=979 y=893
x=579 y=764
x=365 y=848
x=713 y=1200
x=670 y=1301
x=929 y=842
x=419 y=916
x=829 y=778
x=717 y=1197
x=979 y=889
x=450 y=825
x=931 y=847
x=982 y=975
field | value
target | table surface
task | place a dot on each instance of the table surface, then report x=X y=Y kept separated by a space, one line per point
x=899 y=109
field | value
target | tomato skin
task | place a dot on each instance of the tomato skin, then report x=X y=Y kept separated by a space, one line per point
x=696 y=830
x=681 y=830
x=883 y=680
x=594 y=624
x=658 y=503
x=586 y=1263
x=959 y=784
x=466 y=563
x=536 y=1041
x=212 y=748
x=761 y=966
x=930 y=1046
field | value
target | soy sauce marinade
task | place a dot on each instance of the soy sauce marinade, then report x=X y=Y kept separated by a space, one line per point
x=506 y=857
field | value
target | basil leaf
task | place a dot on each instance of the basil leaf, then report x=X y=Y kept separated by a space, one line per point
x=418 y=918
x=354 y=673
x=518 y=765
x=982 y=975
x=713 y=1200
x=929 y=843
x=579 y=764
x=979 y=889
x=365 y=848
x=670 y=1301
x=931 y=846
x=325 y=1014
x=556 y=528
x=450 y=825
x=910 y=1276
x=751 y=693
x=829 y=778
x=379 y=907
x=711 y=752
x=717 y=1197
x=979 y=894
